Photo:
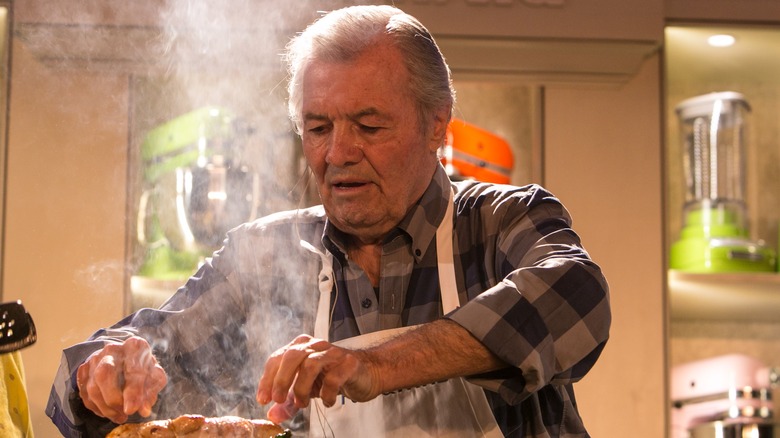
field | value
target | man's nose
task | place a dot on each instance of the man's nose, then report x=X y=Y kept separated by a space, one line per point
x=345 y=147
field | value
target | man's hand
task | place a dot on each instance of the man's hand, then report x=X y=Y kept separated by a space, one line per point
x=120 y=380
x=309 y=367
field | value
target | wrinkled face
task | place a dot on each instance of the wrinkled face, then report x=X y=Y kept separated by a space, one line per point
x=363 y=140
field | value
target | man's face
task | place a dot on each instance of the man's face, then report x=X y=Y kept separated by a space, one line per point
x=362 y=138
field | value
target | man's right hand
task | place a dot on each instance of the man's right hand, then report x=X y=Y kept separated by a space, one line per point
x=121 y=379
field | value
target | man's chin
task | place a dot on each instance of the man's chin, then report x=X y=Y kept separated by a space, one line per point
x=364 y=227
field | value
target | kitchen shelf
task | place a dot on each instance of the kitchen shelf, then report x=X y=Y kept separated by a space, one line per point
x=735 y=297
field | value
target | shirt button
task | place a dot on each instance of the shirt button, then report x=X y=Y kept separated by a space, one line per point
x=417 y=252
x=366 y=303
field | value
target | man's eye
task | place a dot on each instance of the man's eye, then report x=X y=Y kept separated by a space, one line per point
x=319 y=129
x=369 y=129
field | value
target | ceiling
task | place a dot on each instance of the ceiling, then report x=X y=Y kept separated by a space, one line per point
x=687 y=54
x=755 y=56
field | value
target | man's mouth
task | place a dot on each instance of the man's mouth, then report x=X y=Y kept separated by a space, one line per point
x=348 y=185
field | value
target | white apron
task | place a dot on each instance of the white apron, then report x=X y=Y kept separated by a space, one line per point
x=454 y=408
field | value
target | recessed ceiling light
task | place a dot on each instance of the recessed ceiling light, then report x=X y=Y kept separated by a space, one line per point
x=722 y=40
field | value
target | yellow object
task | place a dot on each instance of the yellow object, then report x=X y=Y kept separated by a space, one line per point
x=472 y=152
x=15 y=414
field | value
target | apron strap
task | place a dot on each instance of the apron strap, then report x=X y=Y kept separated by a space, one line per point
x=407 y=412
x=444 y=252
x=325 y=283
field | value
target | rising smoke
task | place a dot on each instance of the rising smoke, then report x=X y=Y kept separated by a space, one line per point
x=177 y=56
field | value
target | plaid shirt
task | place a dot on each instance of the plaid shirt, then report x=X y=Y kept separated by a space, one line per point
x=528 y=292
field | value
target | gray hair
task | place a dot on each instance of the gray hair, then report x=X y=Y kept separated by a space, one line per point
x=345 y=33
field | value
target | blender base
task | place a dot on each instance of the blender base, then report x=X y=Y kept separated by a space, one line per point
x=708 y=255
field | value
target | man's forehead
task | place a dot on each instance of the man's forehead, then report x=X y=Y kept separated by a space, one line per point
x=370 y=85
x=358 y=97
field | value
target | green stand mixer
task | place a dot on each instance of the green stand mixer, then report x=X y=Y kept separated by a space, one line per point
x=195 y=189
x=715 y=236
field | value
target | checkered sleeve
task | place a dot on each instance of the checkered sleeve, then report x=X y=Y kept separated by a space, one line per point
x=548 y=313
x=198 y=325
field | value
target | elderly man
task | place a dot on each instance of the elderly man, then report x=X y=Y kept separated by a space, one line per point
x=415 y=305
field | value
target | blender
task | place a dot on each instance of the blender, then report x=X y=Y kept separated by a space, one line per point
x=715 y=235
x=723 y=396
x=196 y=188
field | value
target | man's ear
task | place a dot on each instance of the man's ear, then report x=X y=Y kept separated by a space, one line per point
x=438 y=131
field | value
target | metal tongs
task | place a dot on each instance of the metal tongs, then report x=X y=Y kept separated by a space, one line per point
x=17 y=329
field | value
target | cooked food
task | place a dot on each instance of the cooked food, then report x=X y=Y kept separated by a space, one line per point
x=197 y=426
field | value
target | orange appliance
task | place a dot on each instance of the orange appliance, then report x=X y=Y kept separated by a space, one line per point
x=471 y=152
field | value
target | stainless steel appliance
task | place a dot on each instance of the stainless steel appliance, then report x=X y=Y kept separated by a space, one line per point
x=715 y=235
x=196 y=188
x=724 y=396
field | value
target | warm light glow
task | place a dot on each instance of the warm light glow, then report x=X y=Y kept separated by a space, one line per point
x=721 y=40
x=217 y=196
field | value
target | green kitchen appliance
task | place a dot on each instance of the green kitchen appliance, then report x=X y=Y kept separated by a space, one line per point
x=715 y=235
x=196 y=188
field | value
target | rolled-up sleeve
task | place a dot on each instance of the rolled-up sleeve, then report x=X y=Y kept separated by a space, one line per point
x=549 y=314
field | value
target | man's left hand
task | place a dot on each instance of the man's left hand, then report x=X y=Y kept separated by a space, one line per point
x=307 y=368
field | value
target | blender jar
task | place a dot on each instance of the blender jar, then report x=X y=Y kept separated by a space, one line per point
x=715 y=232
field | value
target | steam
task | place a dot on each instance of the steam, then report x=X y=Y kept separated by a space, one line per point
x=229 y=57
x=96 y=275
x=187 y=55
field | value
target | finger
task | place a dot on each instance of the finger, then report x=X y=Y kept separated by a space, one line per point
x=157 y=379
x=144 y=378
x=323 y=374
x=280 y=369
x=136 y=343
x=266 y=383
x=82 y=376
x=89 y=392
x=331 y=388
x=105 y=386
x=285 y=374
x=134 y=392
x=155 y=382
x=281 y=412
x=308 y=382
x=289 y=363
x=96 y=402
x=150 y=398
x=340 y=373
x=135 y=371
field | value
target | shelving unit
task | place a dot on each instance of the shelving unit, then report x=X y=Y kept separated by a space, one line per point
x=733 y=297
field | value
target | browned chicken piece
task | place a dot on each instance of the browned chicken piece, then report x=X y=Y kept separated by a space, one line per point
x=233 y=426
x=194 y=426
x=266 y=429
x=187 y=424
x=124 y=431
x=155 y=429
x=150 y=429
x=197 y=426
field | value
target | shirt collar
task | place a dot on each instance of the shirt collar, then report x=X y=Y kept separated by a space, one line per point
x=419 y=224
x=423 y=219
